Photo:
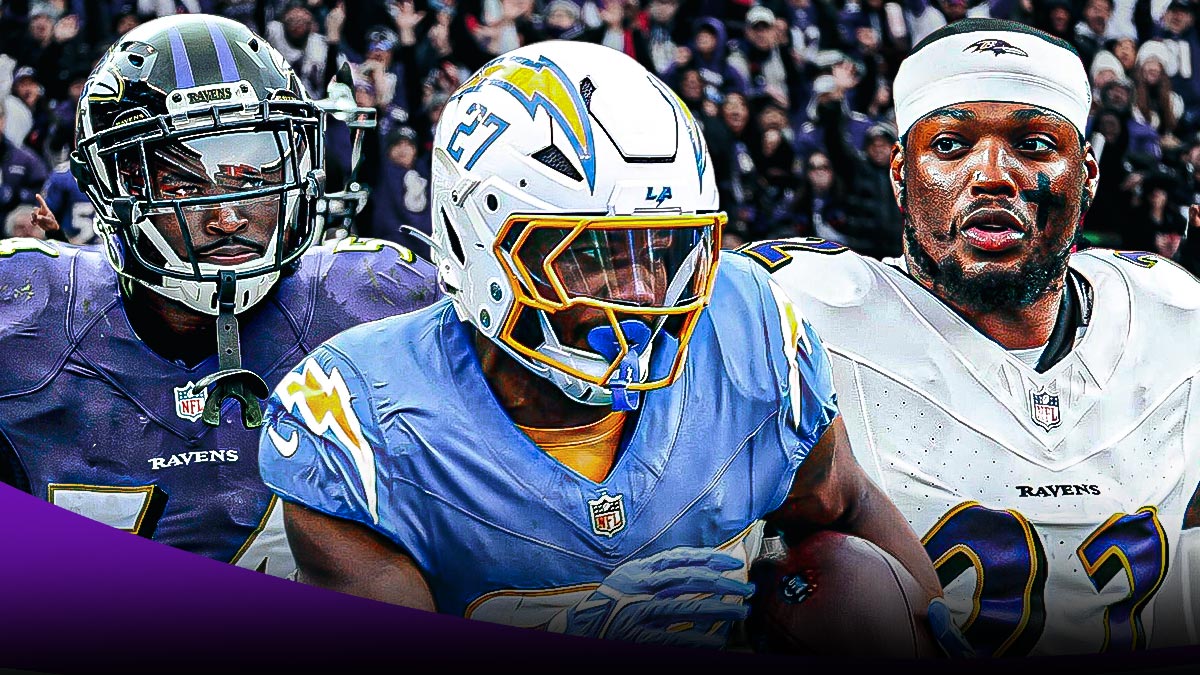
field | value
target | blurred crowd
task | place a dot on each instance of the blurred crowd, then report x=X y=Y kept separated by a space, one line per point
x=794 y=97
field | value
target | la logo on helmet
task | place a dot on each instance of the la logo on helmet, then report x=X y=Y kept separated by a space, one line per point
x=663 y=195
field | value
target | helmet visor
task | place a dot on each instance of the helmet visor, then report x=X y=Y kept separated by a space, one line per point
x=212 y=165
x=651 y=263
x=573 y=274
x=218 y=199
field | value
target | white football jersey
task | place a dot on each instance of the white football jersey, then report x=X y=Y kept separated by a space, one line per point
x=1050 y=503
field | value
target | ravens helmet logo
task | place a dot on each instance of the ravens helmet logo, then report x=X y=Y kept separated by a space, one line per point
x=997 y=47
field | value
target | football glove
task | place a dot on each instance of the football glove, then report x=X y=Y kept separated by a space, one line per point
x=643 y=600
x=946 y=632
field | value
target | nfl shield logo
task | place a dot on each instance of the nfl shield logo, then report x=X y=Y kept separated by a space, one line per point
x=608 y=514
x=187 y=405
x=1043 y=405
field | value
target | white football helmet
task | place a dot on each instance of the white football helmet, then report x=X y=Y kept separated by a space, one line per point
x=569 y=181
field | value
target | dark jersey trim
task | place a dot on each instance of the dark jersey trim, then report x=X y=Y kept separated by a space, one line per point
x=1073 y=314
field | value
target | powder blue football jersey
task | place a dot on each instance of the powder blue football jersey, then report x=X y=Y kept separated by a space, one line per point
x=393 y=425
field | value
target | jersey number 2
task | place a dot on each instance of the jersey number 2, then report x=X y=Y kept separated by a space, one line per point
x=1009 y=613
x=774 y=255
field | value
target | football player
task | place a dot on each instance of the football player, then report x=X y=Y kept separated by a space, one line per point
x=202 y=155
x=1032 y=412
x=514 y=453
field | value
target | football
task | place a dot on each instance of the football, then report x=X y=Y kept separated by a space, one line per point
x=834 y=594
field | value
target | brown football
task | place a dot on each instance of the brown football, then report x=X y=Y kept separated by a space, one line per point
x=834 y=594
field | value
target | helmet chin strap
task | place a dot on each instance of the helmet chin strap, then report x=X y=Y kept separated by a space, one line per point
x=603 y=339
x=231 y=380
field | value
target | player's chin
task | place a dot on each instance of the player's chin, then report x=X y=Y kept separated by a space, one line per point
x=971 y=264
x=582 y=323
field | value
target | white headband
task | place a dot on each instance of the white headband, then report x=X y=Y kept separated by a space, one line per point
x=992 y=63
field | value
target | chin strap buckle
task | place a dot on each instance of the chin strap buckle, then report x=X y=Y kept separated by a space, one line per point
x=604 y=340
x=231 y=380
x=623 y=399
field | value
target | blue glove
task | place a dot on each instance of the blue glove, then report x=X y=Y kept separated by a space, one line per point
x=946 y=632
x=640 y=600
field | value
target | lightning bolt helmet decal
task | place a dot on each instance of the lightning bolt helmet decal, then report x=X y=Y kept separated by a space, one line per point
x=542 y=84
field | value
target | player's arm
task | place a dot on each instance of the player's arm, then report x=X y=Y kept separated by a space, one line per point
x=1176 y=602
x=831 y=491
x=1189 y=537
x=348 y=557
x=1191 y=518
x=1189 y=560
x=1176 y=607
x=318 y=452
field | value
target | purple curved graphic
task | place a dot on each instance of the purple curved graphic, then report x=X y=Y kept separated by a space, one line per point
x=79 y=597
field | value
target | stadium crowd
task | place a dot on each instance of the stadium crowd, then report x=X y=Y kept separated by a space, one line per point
x=794 y=97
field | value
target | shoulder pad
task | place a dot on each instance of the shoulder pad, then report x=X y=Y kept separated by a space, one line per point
x=358 y=280
x=1150 y=276
x=1158 y=296
x=748 y=302
x=37 y=285
x=318 y=440
x=813 y=270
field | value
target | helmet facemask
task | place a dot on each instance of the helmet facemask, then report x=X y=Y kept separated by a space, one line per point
x=576 y=218
x=209 y=217
x=187 y=207
x=593 y=295
x=204 y=158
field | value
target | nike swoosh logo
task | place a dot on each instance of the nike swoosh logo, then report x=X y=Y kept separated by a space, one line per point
x=286 y=447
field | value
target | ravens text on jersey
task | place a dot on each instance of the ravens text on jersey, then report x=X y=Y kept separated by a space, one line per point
x=95 y=421
x=1051 y=503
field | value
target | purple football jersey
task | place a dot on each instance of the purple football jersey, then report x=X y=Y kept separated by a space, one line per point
x=94 y=421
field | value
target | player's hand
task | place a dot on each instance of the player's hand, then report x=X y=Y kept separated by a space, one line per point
x=511 y=11
x=42 y=217
x=845 y=76
x=1131 y=181
x=612 y=13
x=675 y=597
x=868 y=38
x=946 y=632
x=1194 y=220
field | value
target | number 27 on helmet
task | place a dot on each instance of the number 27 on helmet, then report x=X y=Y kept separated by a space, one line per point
x=575 y=218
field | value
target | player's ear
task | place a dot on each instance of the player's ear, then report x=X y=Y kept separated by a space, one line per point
x=1091 y=173
x=897 y=175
